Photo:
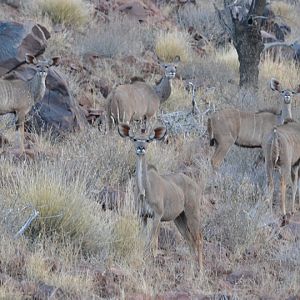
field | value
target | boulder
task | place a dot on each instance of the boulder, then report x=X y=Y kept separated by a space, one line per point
x=16 y=40
x=58 y=109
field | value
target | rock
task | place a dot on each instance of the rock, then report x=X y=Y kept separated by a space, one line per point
x=236 y=276
x=46 y=291
x=18 y=39
x=174 y=295
x=57 y=110
x=107 y=283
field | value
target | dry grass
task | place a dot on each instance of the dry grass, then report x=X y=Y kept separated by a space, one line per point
x=66 y=12
x=168 y=45
x=73 y=239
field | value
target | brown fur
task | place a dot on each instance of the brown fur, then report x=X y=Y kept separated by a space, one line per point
x=172 y=197
x=129 y=102
x=246 y=129
x=282 y=149
x=18 y=96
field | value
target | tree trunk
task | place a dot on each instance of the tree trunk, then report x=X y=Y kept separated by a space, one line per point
x=249 y=45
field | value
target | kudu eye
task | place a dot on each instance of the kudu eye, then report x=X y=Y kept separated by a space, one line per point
x=147 y=140
x=134 y=139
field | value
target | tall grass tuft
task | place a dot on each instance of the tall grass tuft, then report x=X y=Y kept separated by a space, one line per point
x=171 y=44
x=57 y=192
x=67 y=12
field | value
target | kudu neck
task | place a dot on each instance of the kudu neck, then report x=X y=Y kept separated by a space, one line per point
x=163 y=89
x=141 y=175
x=286 y=112
x=37 y=87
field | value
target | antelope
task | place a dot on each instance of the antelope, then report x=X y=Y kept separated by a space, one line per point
x=134 y=101
x=18 y=96
x=282 y=149
x=246 y=129
x=173 y=197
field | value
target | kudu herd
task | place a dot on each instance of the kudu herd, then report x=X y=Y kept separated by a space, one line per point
x=18 y=96
x=245 y=129
x=276 y=133
x=176 y=197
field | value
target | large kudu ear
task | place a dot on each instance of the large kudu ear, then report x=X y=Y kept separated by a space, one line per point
x=54 y=61
x=275 y=85
x=158 y=133
x=30 y=59
x=176 y=59
x=297 y=90
x=123 y=130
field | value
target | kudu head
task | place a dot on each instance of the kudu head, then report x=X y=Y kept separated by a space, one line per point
x=42 y=66
x=170 y=68
x=142 y=137
x=286 y=94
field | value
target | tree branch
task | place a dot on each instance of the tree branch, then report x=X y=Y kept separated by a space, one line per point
x=228 y=28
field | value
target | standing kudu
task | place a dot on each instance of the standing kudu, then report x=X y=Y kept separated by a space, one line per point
x=18 y=96
x=173 y=197
x=245 y=129
x=138 y=99
x=282 y=149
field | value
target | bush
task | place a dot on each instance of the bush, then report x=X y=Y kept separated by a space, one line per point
x=57 y=192
x=67 y=12
x=168 y=45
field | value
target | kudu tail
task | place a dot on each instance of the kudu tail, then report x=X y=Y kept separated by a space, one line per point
x=275 y=147
x=210 y=132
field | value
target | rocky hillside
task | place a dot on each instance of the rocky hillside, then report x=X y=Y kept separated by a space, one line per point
x=69 y=222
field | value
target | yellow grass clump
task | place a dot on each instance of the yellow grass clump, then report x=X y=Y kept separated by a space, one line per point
x=284 y=70
x=65 y=212
x=282 y=9
x=67 y=12
x=168 y=45
x=127 y=242
x=229 y=57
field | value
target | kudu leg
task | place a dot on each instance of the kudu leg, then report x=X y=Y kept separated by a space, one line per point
x=20 y=131
x=294 y=174
x=153 y=240
x=220 y=153
x=283 y=194
x=193 y=237
x=270 y=185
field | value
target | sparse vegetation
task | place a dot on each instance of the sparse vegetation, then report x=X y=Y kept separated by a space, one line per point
x=168 y=45
x=75 y=249
x=66 y=12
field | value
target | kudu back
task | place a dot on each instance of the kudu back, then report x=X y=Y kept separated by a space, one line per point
x=246 y=129
x=174 y=197
x=18 y=96
x=133 y=101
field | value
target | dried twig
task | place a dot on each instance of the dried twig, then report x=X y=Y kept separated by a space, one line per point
x=33 y=216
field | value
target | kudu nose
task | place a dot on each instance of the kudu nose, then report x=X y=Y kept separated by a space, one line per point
x=140 y=150
x=287 y=99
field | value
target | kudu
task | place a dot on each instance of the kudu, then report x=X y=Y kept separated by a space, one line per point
x=18 y=96
x=246 y=129
x=173 y=197
x=282 y=149
x=133 y=101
